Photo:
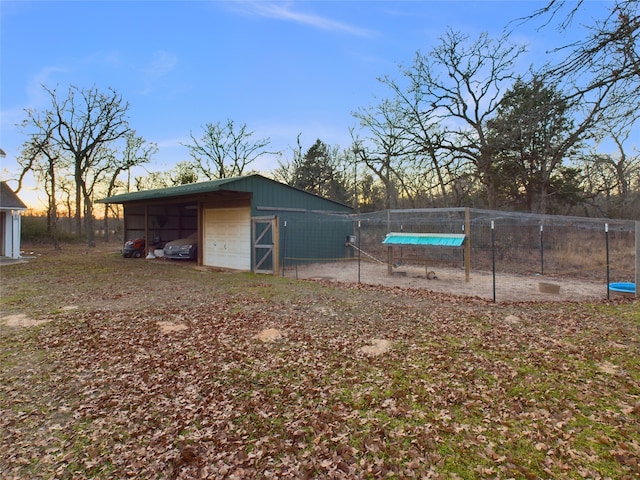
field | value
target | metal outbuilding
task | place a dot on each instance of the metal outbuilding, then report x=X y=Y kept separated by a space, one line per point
x=242 y=223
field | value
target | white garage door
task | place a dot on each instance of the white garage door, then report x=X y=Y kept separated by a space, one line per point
x=227 y=238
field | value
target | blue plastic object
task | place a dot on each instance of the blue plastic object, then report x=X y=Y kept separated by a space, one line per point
x=623 y=287
x=433 y=239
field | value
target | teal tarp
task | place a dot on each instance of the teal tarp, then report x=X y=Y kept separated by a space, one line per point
x=435 y=239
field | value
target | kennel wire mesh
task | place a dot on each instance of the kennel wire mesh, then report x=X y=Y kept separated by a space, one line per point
x=541 y=247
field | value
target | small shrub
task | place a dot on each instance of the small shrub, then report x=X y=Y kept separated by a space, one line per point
x=34 y=229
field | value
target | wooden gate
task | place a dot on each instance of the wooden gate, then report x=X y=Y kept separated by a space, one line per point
x=265 y=245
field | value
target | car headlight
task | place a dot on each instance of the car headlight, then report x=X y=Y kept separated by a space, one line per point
x=185 y=248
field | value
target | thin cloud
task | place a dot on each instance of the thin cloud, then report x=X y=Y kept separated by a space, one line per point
x=172 y=142
x=285 y=12
x=160 y=64
x=36 y=94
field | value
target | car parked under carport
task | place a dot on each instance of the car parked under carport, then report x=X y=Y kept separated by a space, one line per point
x=183 y=248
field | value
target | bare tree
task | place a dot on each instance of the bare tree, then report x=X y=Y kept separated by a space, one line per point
x=287 y=171
x=605 y=60
x=44 y=159
x=457 y=85
x=152 y=181
x=81 y=127
x=424 y=135
x=613 y=180
x=609 y=51
x=137 y=151
x=384 y=148
x=225 y=151
x=183 y=173
x=85 y=126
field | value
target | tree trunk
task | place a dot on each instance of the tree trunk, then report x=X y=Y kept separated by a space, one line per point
x=53 y=208
x=105 y=222
x=88 y=217
x=490 y=187
x=89 y=224
x=78 y=213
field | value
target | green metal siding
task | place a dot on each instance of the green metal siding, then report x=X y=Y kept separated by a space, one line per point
x=312 y=237
x=316 y=227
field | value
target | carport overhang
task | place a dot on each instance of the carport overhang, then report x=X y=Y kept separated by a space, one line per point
x=230 y=203
x=176 y=197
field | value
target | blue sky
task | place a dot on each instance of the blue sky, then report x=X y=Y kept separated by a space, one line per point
x=283 y=68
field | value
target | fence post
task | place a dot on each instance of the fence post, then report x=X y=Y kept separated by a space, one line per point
x=493 y=258
x=359 y=237
x=637 y=283
x=606 y=243
x=541 y=251
x=467 y=245
x=464 y=247
x=284 y=247
x=401 y=252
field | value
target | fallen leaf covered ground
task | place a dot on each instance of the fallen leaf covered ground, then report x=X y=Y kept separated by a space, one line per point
x=157 y=369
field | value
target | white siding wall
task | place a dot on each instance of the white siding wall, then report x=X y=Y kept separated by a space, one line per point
x=227 y=238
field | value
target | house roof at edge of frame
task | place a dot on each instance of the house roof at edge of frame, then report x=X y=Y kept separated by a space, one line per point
x=198 y=188
x=9 y=200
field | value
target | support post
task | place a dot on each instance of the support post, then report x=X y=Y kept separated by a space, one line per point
x=541 y=250
x=284 y=247
x=493 y=258
x=359 y=250
x=606 y=246
x=637 y=258
x=275 y=236
x=147 y=243
x=389 y=260
x=16 y=226
x=467 y=245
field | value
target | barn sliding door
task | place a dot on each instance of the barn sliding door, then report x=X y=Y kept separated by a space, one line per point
x=265 y=245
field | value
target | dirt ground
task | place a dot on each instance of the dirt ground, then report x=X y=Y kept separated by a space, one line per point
x=508 y=287
x=448 y=280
